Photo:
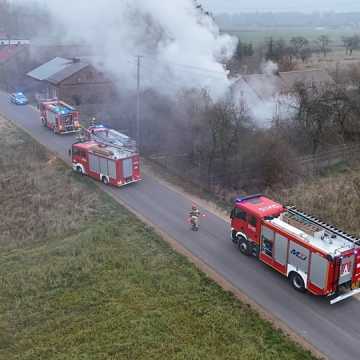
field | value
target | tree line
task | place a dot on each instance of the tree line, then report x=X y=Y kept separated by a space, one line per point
x=286 y=53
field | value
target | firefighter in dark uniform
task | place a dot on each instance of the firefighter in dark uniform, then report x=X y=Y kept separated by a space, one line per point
x=194 y=217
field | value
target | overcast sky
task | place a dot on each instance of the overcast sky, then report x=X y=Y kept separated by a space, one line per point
x=233 y=6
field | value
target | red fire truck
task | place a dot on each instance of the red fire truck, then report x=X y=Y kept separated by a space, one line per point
x=117 y=166
x=314 y=255
x=59 y=116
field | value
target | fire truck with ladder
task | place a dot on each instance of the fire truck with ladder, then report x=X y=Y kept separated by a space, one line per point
x=314 y=255
x=106 y=155
x=59 y=116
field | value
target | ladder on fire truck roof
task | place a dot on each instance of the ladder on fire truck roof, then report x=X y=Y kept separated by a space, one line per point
x=313 y=220
x=82 y=137
x=131 y=148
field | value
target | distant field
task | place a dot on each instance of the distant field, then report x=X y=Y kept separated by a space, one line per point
x=81 y=278
x=258 y=35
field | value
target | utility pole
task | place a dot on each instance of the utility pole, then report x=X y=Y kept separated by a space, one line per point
x=138 y=103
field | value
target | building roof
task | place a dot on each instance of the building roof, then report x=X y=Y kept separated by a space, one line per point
x=314 y=76
x=57 y=70
x=264 y=85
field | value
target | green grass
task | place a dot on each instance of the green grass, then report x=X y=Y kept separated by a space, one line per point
x=117 y=291
x=110 y=288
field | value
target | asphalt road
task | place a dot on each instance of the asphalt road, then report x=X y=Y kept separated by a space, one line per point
x=333 y=329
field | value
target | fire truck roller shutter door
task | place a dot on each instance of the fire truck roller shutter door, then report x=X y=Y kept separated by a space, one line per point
x=127 y=168
x=103 y=166
x=112 y=169
x=318 y=270
x=94 y=163
x=281 y=247
x=346 y=269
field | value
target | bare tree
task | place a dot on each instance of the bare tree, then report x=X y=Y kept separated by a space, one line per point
x=323 y=42
x=313 y=113
x=351 y=43
x=298 y=43
x=222 y=127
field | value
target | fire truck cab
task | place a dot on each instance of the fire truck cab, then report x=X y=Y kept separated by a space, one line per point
x=314 y=255
x=111 y=165
x=59 y=116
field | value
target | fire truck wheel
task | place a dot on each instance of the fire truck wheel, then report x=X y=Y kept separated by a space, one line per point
x=79 y=170
x=243 y=245
x=105 y=180
x=297 y=282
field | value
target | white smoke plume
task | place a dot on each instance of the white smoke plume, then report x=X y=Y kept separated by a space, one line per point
x=269 y=68
x=179 y=44
x=261 y=95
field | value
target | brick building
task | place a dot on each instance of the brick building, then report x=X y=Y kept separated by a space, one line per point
x=78 y=81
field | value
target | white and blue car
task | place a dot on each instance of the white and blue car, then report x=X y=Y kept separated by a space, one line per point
x=19 y=98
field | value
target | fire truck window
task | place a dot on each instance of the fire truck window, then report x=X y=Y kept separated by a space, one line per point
x=267 y=238
x=267 y=247
x=83 y=154
x=252 y=221
x=255 y=201
x=239 y=214
x=76 y=151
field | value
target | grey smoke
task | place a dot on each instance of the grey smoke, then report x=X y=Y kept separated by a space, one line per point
x=181 y=47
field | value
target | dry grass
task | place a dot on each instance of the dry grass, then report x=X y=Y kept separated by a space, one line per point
x=39 y=196
x=334 y=197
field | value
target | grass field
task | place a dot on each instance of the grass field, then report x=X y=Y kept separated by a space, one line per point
x=81 y=278
x=259 y=35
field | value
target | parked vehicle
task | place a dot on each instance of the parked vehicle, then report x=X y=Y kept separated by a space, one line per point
x=112 y=165
x=314 y=255
x=59 y=116
x=18 y=98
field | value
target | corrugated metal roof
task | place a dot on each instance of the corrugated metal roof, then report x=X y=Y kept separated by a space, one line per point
x=265 y=86
x=66 y=72
x=57 y=70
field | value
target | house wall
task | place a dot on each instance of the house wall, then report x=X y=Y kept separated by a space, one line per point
x=88 y=86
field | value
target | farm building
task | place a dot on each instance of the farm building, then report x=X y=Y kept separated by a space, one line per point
x=76 y=81
x=268 y=96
